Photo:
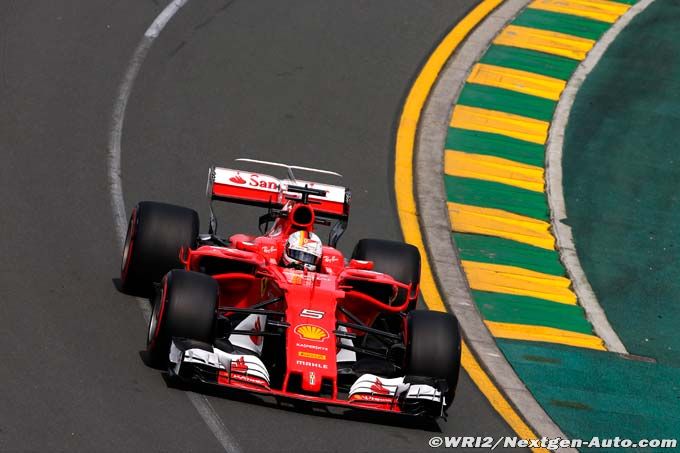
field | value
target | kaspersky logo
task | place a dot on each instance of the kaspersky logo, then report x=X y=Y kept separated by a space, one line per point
x=311 y=332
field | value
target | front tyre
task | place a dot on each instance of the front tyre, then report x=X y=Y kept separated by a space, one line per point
x=185 y=309
x=433 y=349
x=156 y=233
x=399 y=260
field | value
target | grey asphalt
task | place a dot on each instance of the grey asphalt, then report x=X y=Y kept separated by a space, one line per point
x=306 y=82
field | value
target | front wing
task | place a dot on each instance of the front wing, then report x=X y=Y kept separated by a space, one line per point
x=194 y=361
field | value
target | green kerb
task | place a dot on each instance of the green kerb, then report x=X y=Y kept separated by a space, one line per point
x=562 y=23
x=494 y=195
x=488 y=249
x=493 y=98
x=530 y=61
x=513 y=309
x=495 y=145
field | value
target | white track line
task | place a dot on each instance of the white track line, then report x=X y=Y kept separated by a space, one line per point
x=553 y=155
x=200 y=402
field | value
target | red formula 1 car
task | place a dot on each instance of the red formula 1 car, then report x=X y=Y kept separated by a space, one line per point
x=283 y=314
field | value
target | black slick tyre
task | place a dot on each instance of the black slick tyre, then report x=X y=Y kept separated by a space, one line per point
x=185 y=308
x=433 y=348
x=399 y=260
x=156 y=233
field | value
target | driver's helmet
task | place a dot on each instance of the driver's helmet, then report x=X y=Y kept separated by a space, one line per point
x=303 y=250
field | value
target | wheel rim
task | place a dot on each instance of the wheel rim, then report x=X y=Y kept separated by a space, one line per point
x=157 y=316
x=153 y=324
x=129 y=242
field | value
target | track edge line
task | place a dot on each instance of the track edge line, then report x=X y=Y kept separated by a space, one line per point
x=555 y=189
x=115 y=183
x=428 y=191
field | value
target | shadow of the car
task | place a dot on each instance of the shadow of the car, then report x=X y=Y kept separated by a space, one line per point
x=118 y=284
x=144 y=355
x=306 y=407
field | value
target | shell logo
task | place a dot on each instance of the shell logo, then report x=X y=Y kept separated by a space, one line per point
x=310 y=332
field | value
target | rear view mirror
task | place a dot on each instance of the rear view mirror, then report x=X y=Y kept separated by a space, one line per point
x=361 y=264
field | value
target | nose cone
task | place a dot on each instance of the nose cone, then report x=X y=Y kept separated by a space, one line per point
x=311 y=351
x=312 y=355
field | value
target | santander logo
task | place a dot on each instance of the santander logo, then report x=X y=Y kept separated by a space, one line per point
x=237 y=179
x=261 y=182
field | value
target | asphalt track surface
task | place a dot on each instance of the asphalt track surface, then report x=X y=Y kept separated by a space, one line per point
x=306 y=82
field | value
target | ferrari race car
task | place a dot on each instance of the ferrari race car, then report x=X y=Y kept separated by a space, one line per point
x=283 y=314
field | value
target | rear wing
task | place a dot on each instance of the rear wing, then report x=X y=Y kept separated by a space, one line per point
x=258 y=189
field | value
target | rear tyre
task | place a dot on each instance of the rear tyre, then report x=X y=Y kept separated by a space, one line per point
x=186 y=309
x=156 y=233
x=433 y=348
x=399 y=260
